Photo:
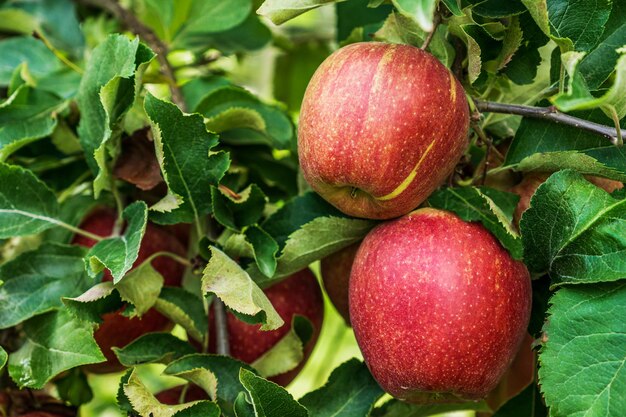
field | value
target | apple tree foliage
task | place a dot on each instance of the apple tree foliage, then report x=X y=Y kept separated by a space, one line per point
x=82 y=82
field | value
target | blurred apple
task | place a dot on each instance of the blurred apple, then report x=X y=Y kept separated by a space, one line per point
x=172 y=395
x=381 y=127
x=439 y=308
x=336 y=277
x=115 y=329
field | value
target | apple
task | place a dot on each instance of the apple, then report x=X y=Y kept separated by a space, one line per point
x=115 y=329
x=381 y=127
x=533 y=180
x=172 y=395
x=336 y=277
x=439 y=308
x=297 y=294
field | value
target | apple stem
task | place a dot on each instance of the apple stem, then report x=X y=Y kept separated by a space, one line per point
x=131 y=22
x=552 y=114
x=221 y=327
x=436 y=21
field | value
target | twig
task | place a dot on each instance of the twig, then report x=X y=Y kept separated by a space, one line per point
x=131 y=22
x=221 y=327
x=436 y=21
x=552 y=114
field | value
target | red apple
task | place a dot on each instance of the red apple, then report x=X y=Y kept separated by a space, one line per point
x=381 y=127
x=438 y=307
x=115 y=329
x=172 y=395
x=533 y=180
x=298 y=294
x=336 y=276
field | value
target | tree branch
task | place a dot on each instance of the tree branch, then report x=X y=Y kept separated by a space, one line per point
x=133 y=24
x=552 y=114
x=221 y=327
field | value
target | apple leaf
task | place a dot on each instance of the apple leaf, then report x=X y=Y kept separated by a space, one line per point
x=264 y=250
x=493 y=208
x=74 y=388
x=35 y=281
x=497 y=9
x=141 y=287
x=145 y=404
x=395 y=408
x=201 y=377
x=577 y=27
x=3 y=358
x=242 y=407
x=421 y=11
x=230 y=107
x=27 y=205
x=93 y=303
x=225 y=368
x=597 y=65
x=225 y=278
x=55 y=342
x=351 y=15
x=189 y=166
x=280 y=11
x=119 y=253
x=270 y=399
x=574 y=231
x=107 y=91
x=583 y=361
x=288 y=352
x=201 y=409
x=238 y=212
x=526 y=403
x=185 y=309
x=351 y=391
x=27 y=115
x=17 y=51
x=153 y=348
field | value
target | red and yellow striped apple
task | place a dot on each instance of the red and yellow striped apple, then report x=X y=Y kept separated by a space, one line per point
x=381 y=127
x=438 y=307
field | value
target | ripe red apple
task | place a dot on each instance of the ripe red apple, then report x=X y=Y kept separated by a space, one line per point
x=298 y=294
x=172 y=395
x=381 y=126
x=336 y=276
x=115 y=329
x=533 y=180
x=438 y=307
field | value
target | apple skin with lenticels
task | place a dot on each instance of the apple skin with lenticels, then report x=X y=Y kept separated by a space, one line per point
x=115 y=329
x=336 y=277
x=381 y=127
x=439 y=308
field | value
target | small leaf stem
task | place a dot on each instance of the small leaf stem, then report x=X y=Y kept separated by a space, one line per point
x=57 y=53
x=429 y=38
x=221 y=327
x=551 y=114
x=230 y=192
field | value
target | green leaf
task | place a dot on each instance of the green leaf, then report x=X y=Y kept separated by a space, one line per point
x=188 y=165
x=107 y=91
x=233 y=107
x=210 y=16
x=270 y=399
x=201 y=409
x=93 y=303
x=242 y=407
x=197 y=88
x=3 y=358
x=578 y=96
x=474 y=204
x=563 y=147
x=27 y=205
x=395 y=408
x=185 y=309
x=421 y=11
x=144 y=403
x=575 y=231
x=238 y=213
x=225 y=368
x=225 y=278
x=264 y=250
x=17 y=51
x=28 y=115
x=34 y=282
x=141 y=287
x=583 y=368
x=351 y=391
x=153 y=348
x=119 y=253
x=496 y=9
x=55 y=342
x=526 y=403
x=280 y=11
x=597 y=65
x=74 y=388
x=577 y=27
x=453 y=6
x=288 y=352
x=351 y=14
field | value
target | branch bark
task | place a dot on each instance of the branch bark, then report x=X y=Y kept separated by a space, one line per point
x=130 y=21
x=552 y=114
x=221 y=327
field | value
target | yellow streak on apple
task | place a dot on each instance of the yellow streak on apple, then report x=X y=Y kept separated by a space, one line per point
x=452 y=88
x=407 y=181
